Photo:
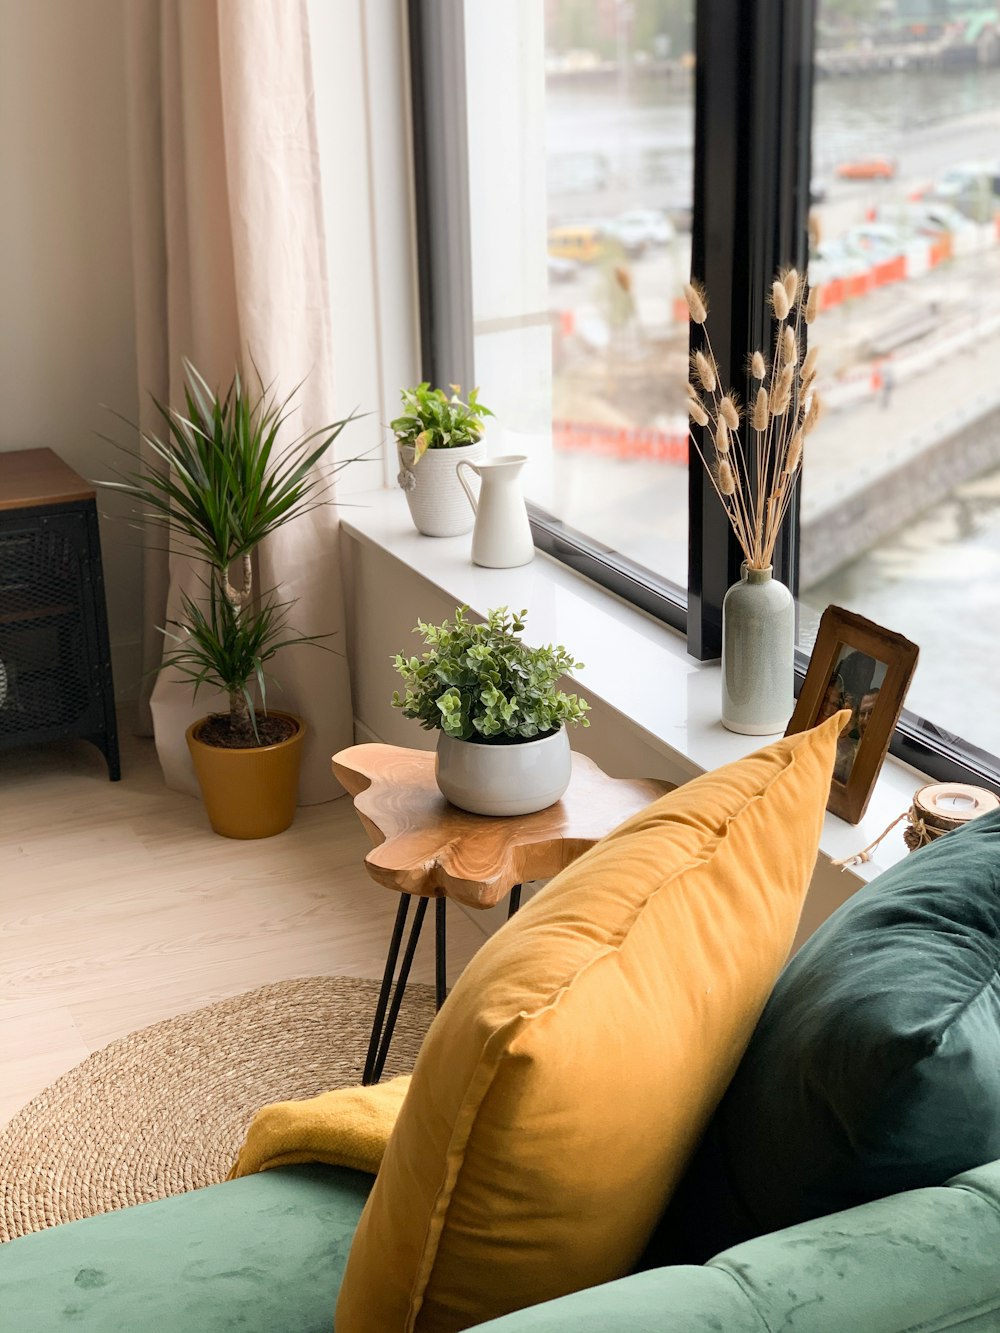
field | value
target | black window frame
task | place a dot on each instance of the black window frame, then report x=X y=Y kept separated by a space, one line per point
x=753 y=90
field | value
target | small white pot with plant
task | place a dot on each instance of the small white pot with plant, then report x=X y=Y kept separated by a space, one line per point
x=434 y=433
x=504 y=747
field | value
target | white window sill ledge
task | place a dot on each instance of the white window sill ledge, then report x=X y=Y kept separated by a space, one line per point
x=634 y=664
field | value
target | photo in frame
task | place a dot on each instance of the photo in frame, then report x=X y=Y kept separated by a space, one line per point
x=855 y=664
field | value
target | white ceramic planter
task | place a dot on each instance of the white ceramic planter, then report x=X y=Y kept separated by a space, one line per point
x=438 y=504
x=758 y=655
x=504 y=779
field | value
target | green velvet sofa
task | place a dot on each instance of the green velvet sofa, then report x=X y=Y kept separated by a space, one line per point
x=267 y=1253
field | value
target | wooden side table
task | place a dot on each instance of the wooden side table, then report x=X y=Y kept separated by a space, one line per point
x=425 y=848
x=55 y=659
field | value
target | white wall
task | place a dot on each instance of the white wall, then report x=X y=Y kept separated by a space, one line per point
x=362 y=114
x=67 y=330
x=67 y=333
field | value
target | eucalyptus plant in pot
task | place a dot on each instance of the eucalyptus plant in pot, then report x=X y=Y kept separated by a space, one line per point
x=504 y=747
x=228 y=478
x=433 y=434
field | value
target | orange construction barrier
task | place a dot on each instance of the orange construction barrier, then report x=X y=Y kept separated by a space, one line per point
x=892 y=270
x=681 y=312
x=831 y=293
x=941 y=249
x=622 y=442
x=858 y=284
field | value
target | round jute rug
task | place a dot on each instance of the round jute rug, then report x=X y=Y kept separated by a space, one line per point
x=165 y=1109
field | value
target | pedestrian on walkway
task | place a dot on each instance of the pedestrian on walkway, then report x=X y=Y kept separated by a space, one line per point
x=887 y=385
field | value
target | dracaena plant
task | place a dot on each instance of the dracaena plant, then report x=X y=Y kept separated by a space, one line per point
x=433 y=420
x=482 y=682
x=227 y=477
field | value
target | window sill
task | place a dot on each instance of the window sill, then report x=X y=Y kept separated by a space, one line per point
x=634 y=664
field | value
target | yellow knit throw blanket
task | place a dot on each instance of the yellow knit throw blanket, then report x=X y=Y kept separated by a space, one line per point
x=348 y=1127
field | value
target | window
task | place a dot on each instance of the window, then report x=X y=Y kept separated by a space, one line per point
x=575 y=160
x=901 y=501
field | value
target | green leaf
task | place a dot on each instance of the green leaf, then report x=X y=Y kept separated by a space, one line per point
x=482 y=680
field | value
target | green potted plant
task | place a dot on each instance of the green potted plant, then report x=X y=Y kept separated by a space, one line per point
x=433 y=434
x=230 y=479
x=504 y=747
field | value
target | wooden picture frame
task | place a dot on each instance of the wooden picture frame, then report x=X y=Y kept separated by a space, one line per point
x=859 y=665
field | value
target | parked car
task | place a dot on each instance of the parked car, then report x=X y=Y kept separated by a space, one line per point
x=867 y=169
x=961 y=180
x=922 y=218
x=817 y=190
x=973 y=189
x=835 y=259
x=650 y=225
x=630 y=234
x=875 y=241
x=562 y=270
x=581 y=242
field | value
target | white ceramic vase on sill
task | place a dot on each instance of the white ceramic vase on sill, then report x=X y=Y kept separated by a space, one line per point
x=516 y=778
x=758 y=655
x=438 y=504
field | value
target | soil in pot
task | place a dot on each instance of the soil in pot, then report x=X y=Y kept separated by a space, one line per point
x=272 y=728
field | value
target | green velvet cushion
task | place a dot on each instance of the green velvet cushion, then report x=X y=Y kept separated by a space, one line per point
x=920 y=1262
x=875 y=1066
x=263 y=1253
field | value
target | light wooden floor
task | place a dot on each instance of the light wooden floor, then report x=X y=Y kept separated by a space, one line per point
x=120 y=907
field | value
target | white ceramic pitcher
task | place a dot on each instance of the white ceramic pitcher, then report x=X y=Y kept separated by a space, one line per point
x=501 y=538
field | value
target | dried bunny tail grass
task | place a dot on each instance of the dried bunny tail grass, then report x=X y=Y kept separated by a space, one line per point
x=760 y=417
x=697 y=413
x=781 y=391
x=758 y=366
x=809 y=364
x=779 y=300
x=729 y=412
x=790 y=282
x=789 y=346
x=693 y=392
x=812 y=305
x=812 y=413
x=721 y=436
x=815 y=230
x=697 y=301
x=705 y=371
x=725 y=478
x=794 y=456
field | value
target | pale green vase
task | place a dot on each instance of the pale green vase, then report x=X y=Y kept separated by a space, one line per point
x=758 y=655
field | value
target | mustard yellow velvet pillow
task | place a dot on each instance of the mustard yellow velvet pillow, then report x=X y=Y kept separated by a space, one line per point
x=569 y=1076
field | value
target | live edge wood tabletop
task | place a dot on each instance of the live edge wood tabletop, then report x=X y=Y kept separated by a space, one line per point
x=428 y=847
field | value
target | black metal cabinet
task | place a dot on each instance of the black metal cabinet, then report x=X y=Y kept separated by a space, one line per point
x=55 y=659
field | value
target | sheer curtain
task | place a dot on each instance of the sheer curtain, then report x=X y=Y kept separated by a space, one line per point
x=230 y=262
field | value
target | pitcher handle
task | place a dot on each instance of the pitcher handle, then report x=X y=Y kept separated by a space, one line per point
x=464 y=462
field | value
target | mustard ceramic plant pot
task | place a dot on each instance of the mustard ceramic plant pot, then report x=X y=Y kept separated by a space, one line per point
x=249 y=793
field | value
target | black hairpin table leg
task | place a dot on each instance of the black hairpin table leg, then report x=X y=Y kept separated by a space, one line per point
x=378 y=1045
x=515 y=901
x=440 y=953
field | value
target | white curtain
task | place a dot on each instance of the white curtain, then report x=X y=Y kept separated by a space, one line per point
x=230 y=263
